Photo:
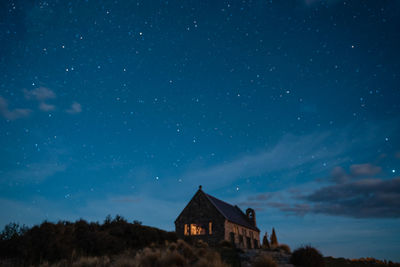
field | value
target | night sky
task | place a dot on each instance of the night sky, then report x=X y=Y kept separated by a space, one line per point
x=124 y=107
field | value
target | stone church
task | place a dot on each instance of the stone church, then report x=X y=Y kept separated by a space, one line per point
x=212 y=220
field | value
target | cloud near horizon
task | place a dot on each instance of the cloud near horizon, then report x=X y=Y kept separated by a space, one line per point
x=366 y=198
x=357 y=171
x=355 y=194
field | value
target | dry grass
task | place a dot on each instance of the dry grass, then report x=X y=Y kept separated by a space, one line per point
x=92 y=262
x=179 y=254
x=264 y=261
x=284 y=247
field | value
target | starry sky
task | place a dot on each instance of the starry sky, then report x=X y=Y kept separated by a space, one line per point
x=126 y=107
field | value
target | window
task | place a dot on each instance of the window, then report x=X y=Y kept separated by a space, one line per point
x=240 y=239
x=210 y=228
x=236 y=229
x=196 y=229
x=232 y=237
x=186 y=229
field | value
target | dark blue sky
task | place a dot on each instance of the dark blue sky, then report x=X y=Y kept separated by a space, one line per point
x=290 y=107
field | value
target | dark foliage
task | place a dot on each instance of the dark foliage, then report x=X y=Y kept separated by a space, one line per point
x=265 y=242
x=230 y=255
x=307 y=257
x=274 y=240
x=64 y=240
x=363 y=262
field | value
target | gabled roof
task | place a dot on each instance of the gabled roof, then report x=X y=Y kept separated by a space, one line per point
x=231 y=213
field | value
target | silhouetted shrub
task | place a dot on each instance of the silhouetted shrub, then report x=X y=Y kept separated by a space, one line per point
x=284 y=247
x=173 y=258
x=201 y=244
x=13 y=230
x=92 y=262
x=225 y=244
x=307 y=257
x=264 y=261
x=265 y=242
x=51 y=242
x=274 y=239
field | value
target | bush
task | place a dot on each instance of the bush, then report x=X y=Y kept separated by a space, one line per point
x=51 y=242
x=173 y=259
x=274 y=239
x=225 y=244
x=201 y=244
x=308 y=257
x=92 y=262
x=284 y=247
x=264 y=261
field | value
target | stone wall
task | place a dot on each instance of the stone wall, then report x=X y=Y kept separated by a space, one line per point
x=201 y=211
x=246 y=233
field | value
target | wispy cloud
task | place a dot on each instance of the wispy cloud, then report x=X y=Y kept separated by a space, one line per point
x=289 y=153
x=46 y=107
x=40 y=94
x=33 y=173
x=75 y=108
x=12 y=114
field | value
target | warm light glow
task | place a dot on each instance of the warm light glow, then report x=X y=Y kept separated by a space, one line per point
x=196 y=229
x=186 y=230
x=210 y=228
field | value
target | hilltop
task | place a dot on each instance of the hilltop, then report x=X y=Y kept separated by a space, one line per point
x=117 y=242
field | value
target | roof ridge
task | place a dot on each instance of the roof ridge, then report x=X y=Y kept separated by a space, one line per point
x=215 y=205
x=222 y=200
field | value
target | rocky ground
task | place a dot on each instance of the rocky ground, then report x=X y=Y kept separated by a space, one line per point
x=281 y=257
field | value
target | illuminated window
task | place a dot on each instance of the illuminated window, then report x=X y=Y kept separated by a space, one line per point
x=210 y=228
x=186 y=230
x=236 y=229
x=196 y=229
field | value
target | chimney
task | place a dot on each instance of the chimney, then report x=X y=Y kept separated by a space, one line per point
x=251 y=216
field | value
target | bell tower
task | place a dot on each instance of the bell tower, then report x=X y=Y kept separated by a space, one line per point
x=251 y=216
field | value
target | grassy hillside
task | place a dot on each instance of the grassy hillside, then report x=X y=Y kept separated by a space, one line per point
x=65 y=240
x=117 y=242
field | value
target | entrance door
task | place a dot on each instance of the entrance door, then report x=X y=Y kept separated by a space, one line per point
x=248 y=242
